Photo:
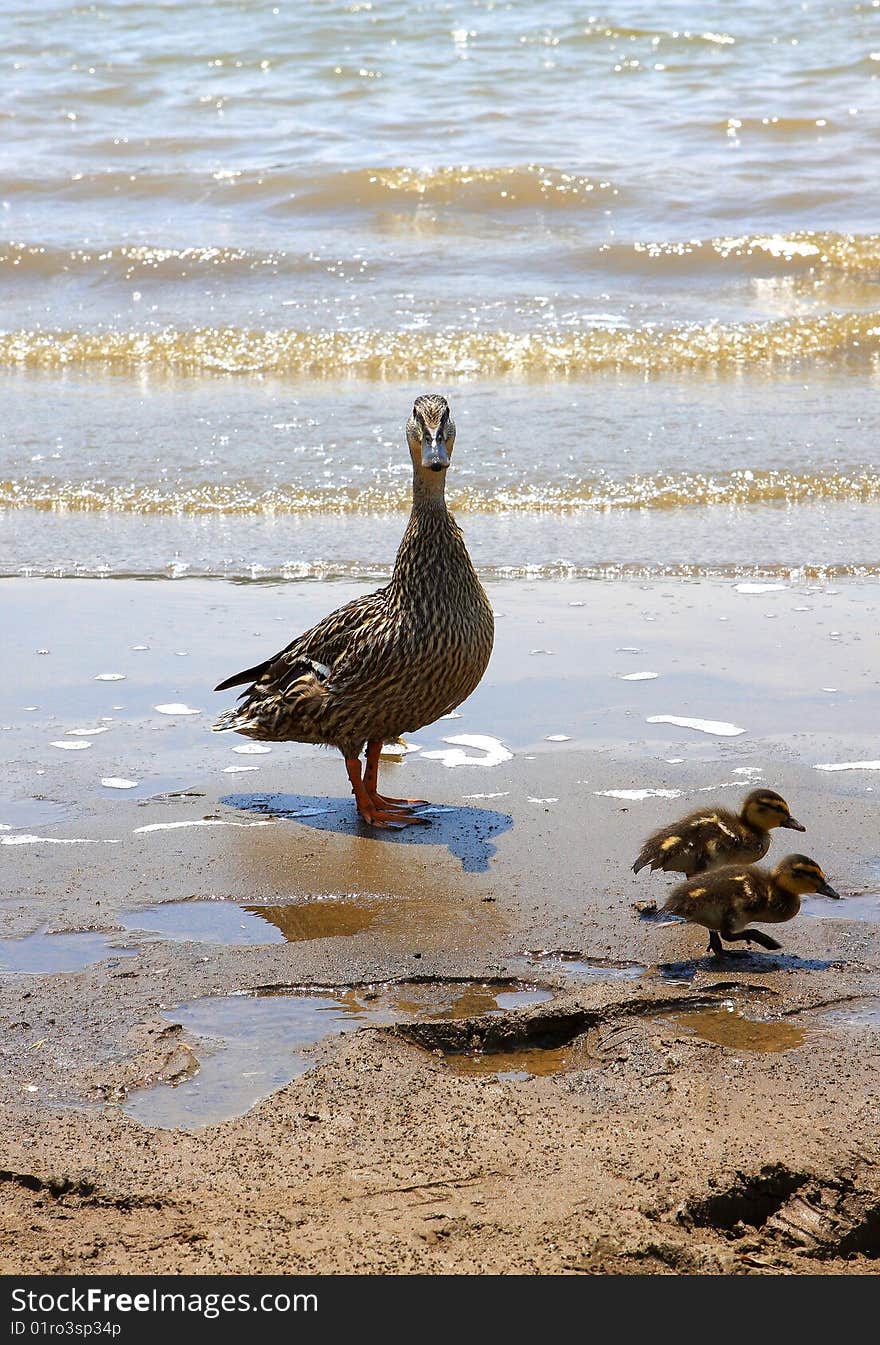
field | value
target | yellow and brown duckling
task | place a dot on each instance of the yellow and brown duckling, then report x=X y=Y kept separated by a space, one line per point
x=726 y=900
x=389 y=662
x=712 y=837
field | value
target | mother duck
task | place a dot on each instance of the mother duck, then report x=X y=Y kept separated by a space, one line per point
x=392 y=661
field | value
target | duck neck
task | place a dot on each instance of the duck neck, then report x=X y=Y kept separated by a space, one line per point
x=429 y=490
x=432 y=552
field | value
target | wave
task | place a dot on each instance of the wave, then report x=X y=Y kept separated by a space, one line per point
x=464 y=187
x=856 y=255
x=145 y=261
x=402 y=355
x=782 y=128
x=336 y=571
x=684 y=490
x=801 y=252
x=599 y=29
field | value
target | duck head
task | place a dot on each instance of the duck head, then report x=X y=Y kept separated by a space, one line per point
x=765 y=809
x=430 y=433
x=798 y=874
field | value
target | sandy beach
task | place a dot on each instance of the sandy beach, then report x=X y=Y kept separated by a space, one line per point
x=211 y=977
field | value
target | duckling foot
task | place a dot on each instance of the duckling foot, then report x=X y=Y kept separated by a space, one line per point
x=757 y=936
x=371 y=807
x=717 y=947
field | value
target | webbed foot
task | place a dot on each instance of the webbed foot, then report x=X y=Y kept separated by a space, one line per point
x=389 y=809
x=375 y=810
x=376 y=816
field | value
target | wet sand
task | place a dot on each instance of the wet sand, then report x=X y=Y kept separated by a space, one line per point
x=651 y=1110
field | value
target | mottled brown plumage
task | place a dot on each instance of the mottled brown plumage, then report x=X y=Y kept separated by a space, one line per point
x=392 y=661
x=711 y=837
x=726 y=900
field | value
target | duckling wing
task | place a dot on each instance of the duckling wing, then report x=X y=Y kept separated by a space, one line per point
x=702 y=901
x=727 y=899
x=667 y=850
x=692 y=844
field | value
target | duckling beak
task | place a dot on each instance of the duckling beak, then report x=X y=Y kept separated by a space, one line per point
x=828 y=891
x=793 y=825
x=434 y=455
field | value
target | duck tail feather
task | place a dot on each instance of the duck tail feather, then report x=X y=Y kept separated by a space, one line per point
x=231 y=719
x=249 y=675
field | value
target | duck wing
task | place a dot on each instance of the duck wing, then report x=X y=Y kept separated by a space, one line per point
x=323 y=650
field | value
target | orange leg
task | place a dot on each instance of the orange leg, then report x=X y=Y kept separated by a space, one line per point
x=369 y=806
x=371 y=782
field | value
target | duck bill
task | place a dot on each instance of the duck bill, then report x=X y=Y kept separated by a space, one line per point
x=828 y=891
x=434 y=455
x=793 y=825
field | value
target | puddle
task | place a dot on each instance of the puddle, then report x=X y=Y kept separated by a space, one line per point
x=43 y=954
x=463 y=999
x=517 y=1066
x=862 y=908
x=226 y=922
x=575 y=967
x=255 y=1044
x=201 y=922
x=725 y=1025
x=34 y=812
x=318 y=919
x=866 y=1014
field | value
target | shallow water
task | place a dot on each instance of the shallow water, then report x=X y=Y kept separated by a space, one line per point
x=519 y=1065
x=864 y=1014
x=45 y=954
x=201 y=922
x=640 y=251
x=864 y=908
x=584 y=970
x=761 y=661
x=32 y=812
x=259 y=1043
x=729 y=1026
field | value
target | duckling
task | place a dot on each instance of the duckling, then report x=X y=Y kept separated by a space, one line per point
x=711 y=837
x=725 y=900
x=391 y=661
